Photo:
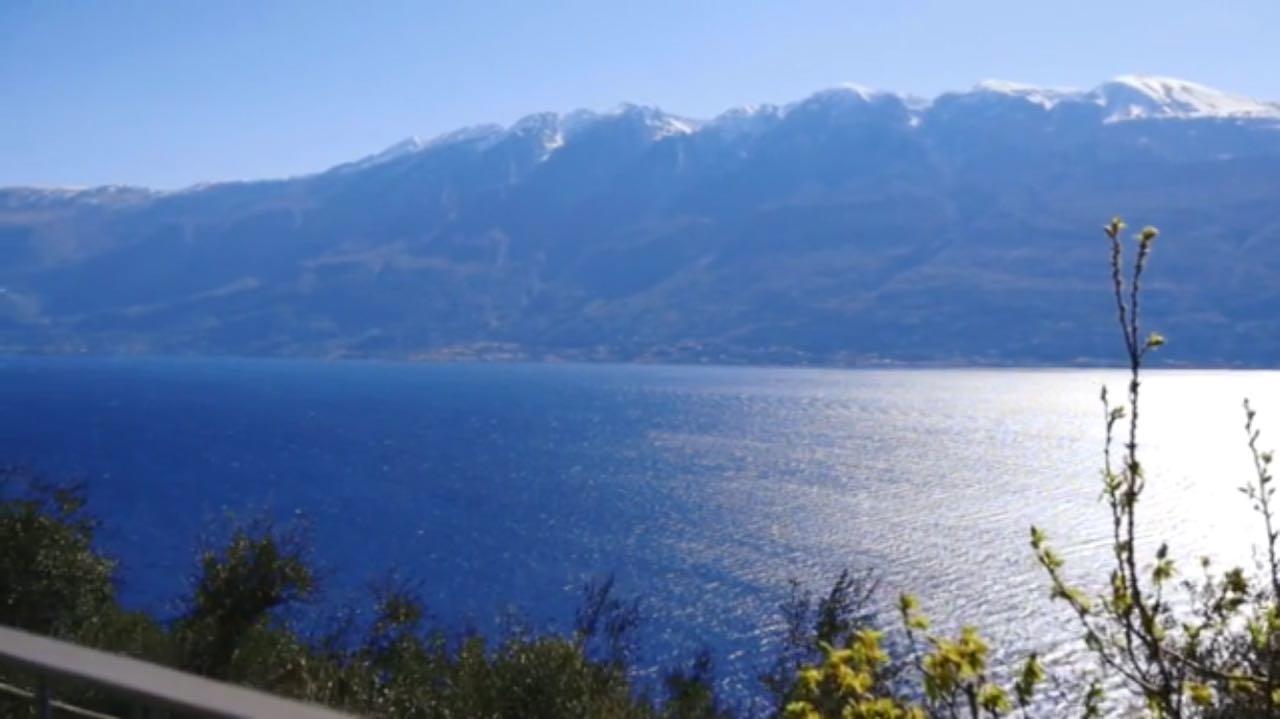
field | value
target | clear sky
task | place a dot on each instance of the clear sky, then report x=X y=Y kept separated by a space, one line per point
x=172 y=92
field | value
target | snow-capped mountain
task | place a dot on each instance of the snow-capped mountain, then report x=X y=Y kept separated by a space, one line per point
x=852 y=225
x=1133 y=97
x=1044 y=97
x=546 y=128
x=1126 y=98
x=406 y=146
x=1138 y=97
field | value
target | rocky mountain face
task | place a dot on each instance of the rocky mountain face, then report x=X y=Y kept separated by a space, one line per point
x=850 y=227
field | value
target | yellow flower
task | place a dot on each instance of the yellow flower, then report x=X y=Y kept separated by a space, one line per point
x=1201 y=694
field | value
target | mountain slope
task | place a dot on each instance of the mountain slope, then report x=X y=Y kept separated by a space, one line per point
x=852 y=226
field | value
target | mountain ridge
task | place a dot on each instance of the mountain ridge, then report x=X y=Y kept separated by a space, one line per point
x=1165 y=98
x=850 y=227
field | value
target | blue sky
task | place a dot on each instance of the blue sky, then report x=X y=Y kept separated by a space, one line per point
x=170 y=92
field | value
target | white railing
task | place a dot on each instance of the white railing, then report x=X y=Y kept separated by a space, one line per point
x=143 y=685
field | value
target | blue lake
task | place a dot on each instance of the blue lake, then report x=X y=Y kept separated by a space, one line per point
x=505 y=487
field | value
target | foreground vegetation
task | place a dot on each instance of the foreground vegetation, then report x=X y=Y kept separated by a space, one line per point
x=1167 y=643
x=1205 y=645
x=234 y=627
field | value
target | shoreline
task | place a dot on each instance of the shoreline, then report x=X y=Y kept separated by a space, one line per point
x=577 y=359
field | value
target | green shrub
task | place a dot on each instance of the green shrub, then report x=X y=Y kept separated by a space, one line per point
x=260 y=570
x=52 y=581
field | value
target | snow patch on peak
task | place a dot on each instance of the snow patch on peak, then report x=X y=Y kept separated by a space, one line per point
x=1045 y=97
x=1133 y=97
x=487 y=133
x=744 y=120
x=409 y=144
x=762 y=110
x=399 y=149
x=660 y=123
x=554 y=129
x=1137 y=97
x=537 y=122
x=671 y=125
x=845 y=93
x=1004 y=87
x=578 y=120
x=97 y=195
x=414 y=144
x=546 y=128
x=1128 y=97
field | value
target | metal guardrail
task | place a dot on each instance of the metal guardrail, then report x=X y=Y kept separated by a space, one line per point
x=143 y=684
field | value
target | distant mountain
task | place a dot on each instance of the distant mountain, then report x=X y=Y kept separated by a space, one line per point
x=853 y=226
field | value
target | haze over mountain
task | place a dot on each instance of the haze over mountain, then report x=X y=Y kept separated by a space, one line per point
x=853 y=226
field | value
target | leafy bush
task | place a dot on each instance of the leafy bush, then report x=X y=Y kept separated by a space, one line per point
x=53 y=581
x=1217 y=657
x=261 y=569
x=1214 y=654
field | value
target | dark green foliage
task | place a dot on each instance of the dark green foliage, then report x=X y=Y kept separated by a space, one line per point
x=605 y=625
x=690 y=691
x=539 y=677
x=260 y=569
x=51 y=579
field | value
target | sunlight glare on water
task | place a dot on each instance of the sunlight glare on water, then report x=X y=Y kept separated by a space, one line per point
x=703 y=489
